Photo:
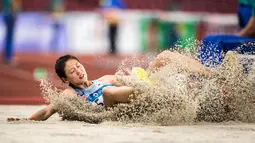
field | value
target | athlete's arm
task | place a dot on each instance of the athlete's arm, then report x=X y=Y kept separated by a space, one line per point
x=249 y=29
x=110 y=79
x=40 y=115
x=43 y=114
x=113 y=95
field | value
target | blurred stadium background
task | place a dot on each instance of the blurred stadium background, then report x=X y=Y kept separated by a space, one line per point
x=47 y=29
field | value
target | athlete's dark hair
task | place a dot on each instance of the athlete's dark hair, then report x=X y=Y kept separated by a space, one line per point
x=61 y=63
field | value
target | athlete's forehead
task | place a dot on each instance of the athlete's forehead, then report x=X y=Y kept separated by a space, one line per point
x=71 y=63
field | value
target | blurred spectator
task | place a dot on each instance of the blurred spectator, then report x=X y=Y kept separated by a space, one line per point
x=110 y=10
x=10 y=11
x=153 y=36
x=56 y=8
x=213 y=48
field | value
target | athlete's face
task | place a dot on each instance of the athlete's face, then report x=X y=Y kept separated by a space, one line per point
x=75 y=72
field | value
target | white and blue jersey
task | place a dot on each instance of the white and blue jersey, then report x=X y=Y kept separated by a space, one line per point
x=93 y=93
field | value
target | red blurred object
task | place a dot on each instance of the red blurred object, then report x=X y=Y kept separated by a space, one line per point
x=216 y=6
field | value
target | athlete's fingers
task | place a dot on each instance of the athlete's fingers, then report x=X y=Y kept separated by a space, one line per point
x=10 y=119
x=13 y=119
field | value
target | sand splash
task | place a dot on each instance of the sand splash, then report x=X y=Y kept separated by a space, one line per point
x=226 y=94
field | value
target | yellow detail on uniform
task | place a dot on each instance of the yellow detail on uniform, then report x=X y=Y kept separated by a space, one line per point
x=142 y=74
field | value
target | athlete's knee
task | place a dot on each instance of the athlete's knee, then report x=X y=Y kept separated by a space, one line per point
x=161 y=59
x=165 y=53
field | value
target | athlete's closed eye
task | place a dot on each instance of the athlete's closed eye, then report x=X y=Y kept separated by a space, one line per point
x=72 y=70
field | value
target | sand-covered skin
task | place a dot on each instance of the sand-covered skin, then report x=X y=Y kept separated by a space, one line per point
x=55 y=130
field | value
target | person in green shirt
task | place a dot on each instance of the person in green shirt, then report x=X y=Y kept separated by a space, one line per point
x=10 y=11
x=213 y=48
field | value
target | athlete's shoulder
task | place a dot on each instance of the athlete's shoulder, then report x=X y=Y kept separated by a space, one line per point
x=69 y=91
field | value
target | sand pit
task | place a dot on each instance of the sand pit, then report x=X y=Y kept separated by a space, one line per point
x=55 y=130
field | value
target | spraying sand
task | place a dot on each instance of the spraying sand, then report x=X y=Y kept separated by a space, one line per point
x=226 y=94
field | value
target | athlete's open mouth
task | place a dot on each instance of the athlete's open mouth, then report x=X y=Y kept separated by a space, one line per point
x=82 y=76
